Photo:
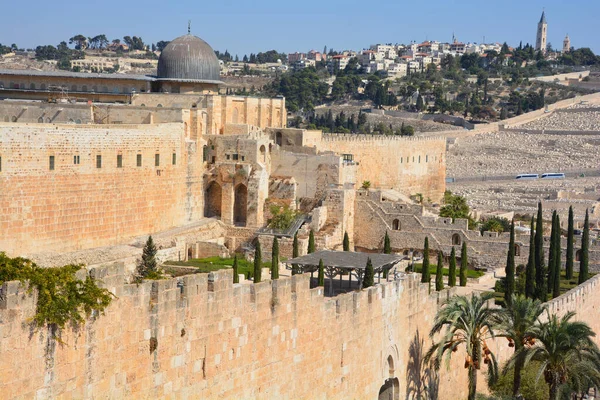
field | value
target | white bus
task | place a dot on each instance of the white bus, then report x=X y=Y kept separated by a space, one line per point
x=553 y=175
x=527 y=176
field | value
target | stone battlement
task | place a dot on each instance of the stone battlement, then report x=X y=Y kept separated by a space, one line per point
x=201 y=334
x=329 y=137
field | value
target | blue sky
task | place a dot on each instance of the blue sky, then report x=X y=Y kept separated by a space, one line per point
x=244 y=27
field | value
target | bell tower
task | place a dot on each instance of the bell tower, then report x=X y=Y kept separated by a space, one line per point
x=542 y=34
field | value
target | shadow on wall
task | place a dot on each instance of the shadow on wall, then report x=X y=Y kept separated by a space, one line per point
x=421 y=380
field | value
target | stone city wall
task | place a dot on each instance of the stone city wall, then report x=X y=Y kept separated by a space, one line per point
x=409 y=165
x=201 y=336
x=87 y=200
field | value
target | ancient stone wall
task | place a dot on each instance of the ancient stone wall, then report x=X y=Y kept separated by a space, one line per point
x=70 y=187
x=408 y=165
x=201 y=336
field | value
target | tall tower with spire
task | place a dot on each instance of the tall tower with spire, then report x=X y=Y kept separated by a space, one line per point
x=566 y=44
x=542 y=34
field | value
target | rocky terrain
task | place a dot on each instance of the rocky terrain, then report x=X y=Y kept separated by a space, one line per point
x=567 y=121
x=513 y=153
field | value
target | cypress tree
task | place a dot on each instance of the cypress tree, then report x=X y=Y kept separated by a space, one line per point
x=387 y=247
x=552 y=255
x=425 y=275
x=452 y=271
x=463 y=265
x=530 y=269
x=369 y=278
x=236 y=276
x=346 y=242
x=321 y=276
x=257 y=263
x=570 y=241
x=295 y=252
x=311 y=242
x=439 y=275
x=557 y=262
x=541 y=291
x=147 y=267
x=510 y=268
x=275 y=259
x=585 y=243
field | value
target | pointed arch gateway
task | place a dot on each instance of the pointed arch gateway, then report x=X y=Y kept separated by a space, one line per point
x=240 y=205
x=213 y=196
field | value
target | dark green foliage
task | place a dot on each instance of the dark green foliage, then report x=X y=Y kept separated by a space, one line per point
x=303 y=89
x=464 y=264
x=510 y=268
x=452 y=269
x=321 y=277
x=439 y=277
x=236 y=274
x=147 y=267
x=62 y=298
x=257 y=263
x=495 y=224
x=530 y=269
x=311 y=242
x=552 y=254
x=585 y=243
x=295 y=252
x=387 y=247
x=346 y=242
x=425 y=274
x=557 y=260
x=369 y=278
x=541 y=292
x=570 y=242
x=275 y=259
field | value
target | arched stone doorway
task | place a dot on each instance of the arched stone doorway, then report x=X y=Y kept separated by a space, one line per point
x=578 y=255
x=456 y=241
x=278 y=138
x=240 y=205
x=212 y=200
x=391 y=388
x=396 y=225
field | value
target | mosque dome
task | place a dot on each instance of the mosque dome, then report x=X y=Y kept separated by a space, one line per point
x=188 y=58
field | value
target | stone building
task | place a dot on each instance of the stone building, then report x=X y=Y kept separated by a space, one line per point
x=105 y=158
x=541 y=40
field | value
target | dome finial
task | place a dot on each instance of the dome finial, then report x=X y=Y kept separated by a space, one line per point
x=189 y=26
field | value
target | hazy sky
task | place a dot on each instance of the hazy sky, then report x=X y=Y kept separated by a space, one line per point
x=244 y=27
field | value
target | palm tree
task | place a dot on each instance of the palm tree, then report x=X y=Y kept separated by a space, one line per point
x=568 y=357
x=519 y=324
x=469 y=321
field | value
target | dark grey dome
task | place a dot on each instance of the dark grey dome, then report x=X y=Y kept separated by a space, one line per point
x=188 y=58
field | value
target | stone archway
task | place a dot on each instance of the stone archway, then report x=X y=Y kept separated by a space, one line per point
x=578 y=255
x=390 y=390
x=456 y=240
x=396 y=225
x=240 y=205
x=279 y=139
x=263 y=154
x=212 y=200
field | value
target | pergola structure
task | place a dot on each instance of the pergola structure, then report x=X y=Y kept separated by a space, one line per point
x=343 y=262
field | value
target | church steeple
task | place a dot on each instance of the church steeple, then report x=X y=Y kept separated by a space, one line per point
x=543 y=19
x=542 y=34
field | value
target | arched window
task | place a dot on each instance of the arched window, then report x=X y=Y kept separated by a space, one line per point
x=578 y=255
x=456 y=240
x=263 y=154
x=396 y=225
x=517 y=250
x=279 y=139
x=74 y=88
x=43 y=86
x=32 y=86
x=41 y=120
x=159 y=105
x=84 y=88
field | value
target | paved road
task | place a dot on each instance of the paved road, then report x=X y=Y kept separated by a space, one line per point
x=568 y=174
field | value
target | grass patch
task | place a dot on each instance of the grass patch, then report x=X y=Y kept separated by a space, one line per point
x=210 y=264
x=471 y=273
